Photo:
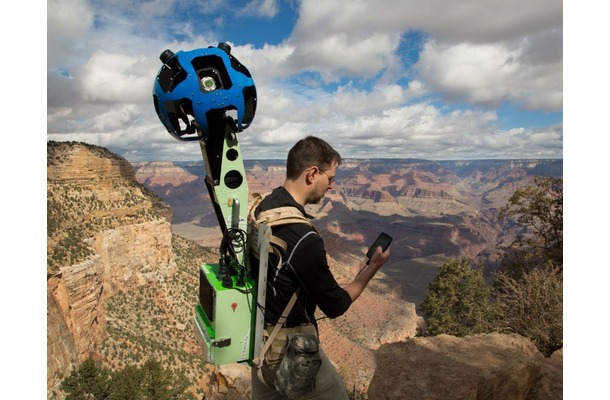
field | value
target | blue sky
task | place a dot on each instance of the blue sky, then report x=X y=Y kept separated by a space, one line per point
x=434 y=79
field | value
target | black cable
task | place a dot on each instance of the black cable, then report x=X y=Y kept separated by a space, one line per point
x=237 y=239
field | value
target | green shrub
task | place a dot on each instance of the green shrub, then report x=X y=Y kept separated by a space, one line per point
x=458 y=302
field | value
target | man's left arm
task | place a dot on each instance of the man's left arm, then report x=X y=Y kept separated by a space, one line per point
x=356 y=287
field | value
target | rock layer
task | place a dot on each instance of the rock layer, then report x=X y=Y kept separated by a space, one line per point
x=127 y=232
x=488 y=366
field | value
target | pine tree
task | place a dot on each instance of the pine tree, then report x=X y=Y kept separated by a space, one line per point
x=156 y=381
x=126 y=384
x=89 y=381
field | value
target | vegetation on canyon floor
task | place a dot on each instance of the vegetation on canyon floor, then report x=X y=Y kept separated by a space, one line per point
x=151 y=381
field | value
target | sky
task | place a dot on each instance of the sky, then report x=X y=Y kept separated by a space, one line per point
x=433 y=79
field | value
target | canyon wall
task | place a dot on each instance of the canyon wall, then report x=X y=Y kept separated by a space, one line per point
x=127 y=232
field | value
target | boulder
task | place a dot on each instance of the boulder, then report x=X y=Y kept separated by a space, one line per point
x=230 y=382
x=487 y=366
x=551 y=379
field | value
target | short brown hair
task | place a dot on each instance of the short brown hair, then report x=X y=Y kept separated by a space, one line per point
x=308 y=152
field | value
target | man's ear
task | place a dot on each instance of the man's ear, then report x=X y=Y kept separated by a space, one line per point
x=310 y=175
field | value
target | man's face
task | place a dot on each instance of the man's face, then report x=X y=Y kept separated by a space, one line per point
x=323 y=181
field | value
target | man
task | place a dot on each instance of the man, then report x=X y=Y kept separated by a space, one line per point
x=310 y=172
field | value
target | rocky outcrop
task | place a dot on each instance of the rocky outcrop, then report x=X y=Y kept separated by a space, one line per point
x=126 y=231
x=488 y=366
x=376 y=318
x=230 y=382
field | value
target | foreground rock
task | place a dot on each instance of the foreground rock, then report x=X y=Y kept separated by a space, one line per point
x=490 y=366
x=230 y=382
x=550 y=386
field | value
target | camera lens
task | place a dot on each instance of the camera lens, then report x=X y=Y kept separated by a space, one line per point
x=208 y=84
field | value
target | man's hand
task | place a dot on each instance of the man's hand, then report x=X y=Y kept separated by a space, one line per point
x=379 y=258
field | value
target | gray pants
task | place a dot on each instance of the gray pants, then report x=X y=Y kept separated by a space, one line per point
x=329 y=384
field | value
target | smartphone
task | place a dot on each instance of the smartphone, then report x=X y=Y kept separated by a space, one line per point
x=382 y=240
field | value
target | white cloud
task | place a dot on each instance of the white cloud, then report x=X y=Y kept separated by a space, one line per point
x=67 y=21
x=467 y=20
x=413 y=131
x=157 y=8
x=480 y=52
x=347 y=54
x=267 y=64
x=489 y=74
x=115 y=118
x=67 y=18
x=118 y=78
x=353 y=101
x=479 y=73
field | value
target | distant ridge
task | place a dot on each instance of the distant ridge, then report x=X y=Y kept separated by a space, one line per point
x=538 y=167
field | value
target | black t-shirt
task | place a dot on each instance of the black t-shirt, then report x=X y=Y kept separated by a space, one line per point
x=305 y=265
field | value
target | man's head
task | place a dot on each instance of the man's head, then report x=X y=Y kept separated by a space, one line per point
x=312 y=162
x=311 y=151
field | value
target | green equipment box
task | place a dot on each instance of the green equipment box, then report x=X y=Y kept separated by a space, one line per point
x=224 y=317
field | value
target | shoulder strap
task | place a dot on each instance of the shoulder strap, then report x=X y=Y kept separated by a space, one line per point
x=281 y=216
x=274 y=217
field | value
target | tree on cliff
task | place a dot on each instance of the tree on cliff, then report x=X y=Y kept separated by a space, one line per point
x=458 y=302
x=88 y=381
x=539 y=208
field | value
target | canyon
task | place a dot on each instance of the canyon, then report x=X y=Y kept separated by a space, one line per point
x=124 y=242
x=434 y=210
